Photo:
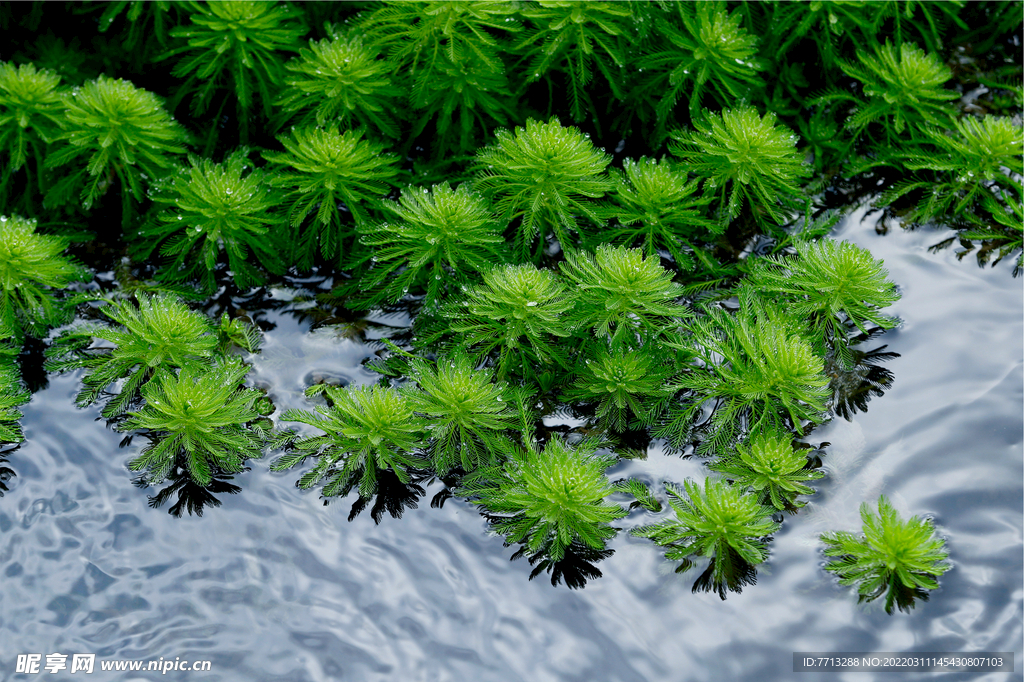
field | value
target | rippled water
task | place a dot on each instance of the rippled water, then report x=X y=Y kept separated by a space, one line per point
x=275 y=586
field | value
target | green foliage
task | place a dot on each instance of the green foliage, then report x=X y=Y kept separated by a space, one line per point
x=320 y=168
x=12 y=395
x=630 y=387
x=30 y=112
x=574 y=37
x=340 y=81
x=126 y=134
x=209 y=209
x=202 y=418
x=366 y=430
x=32 y=264
x=755 y=364
x=745 y=159
x=897 y=558
x=703 y=49
x=827 y=284
x=236 y=43
x=622 y=294
x=441 y=239
x=542 y=175
x=518 y=310
x=717 y=521
x=161 y=333
x=656 y=209
x=468 y=415
x=549 y=498
x=901 y=87
x=769 y=465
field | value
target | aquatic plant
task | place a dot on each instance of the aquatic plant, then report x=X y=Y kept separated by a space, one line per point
x=542 y=175
x=31 y=266
x=160 y=333
x=770 y=466
x=339 y=81
x=717 y=521
x=656 y=209
x=902 y=86
x=759 y=370
x=630 y=387
x=828 y=283
x=548 y=498
x=441 y=239
x=12 y=395
x=621 y=294
x=703 y=49
x=745 y=159
x=124 y=132
x=237 y=42
x=575 y=37
x=317 y=169
x=468 y=414
x=897 y=558
x=961 y=169
x=518 y=310
x=30 y=111
x=367 y=430
x=202 y=418
x=212 y=209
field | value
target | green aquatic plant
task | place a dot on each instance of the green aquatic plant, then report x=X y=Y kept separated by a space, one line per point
x=897 y=558
x=745 y=159
x=440 y=239
x=238 y=43
x=339 y=81
x=30 y=112
x=962 y=169
x=318 y=169
x=656 y=208
x=542 y=175
x=159 y=333
x=468 y=414
x=209 y=210
x=828 y=283
x=629 y=387
x=111 y=129
x=770 y=466
x=12 y=396
x=702 y=49
x=575 y=37
x=366 y=431
x=717 y=521
x=519 y=311
x=621 y=293
x=902 y=86
x=31 y=266
x=548 y=498
x=203 y=419
x=757 y=367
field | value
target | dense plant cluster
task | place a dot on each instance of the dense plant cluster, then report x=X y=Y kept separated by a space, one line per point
x=616 y=213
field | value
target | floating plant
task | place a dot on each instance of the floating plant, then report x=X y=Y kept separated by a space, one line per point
x=160 y=333
x=769 y=465
x=898 y=558
x=202 y=419
x=12 y=395
x=211 y=211
x=719 y=522
x=440 y=239
x=367 y=430
x=543 y=175
x=31 y=266
x=548 y=498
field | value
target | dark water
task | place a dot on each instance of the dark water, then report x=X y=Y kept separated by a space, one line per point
x=275 y=586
